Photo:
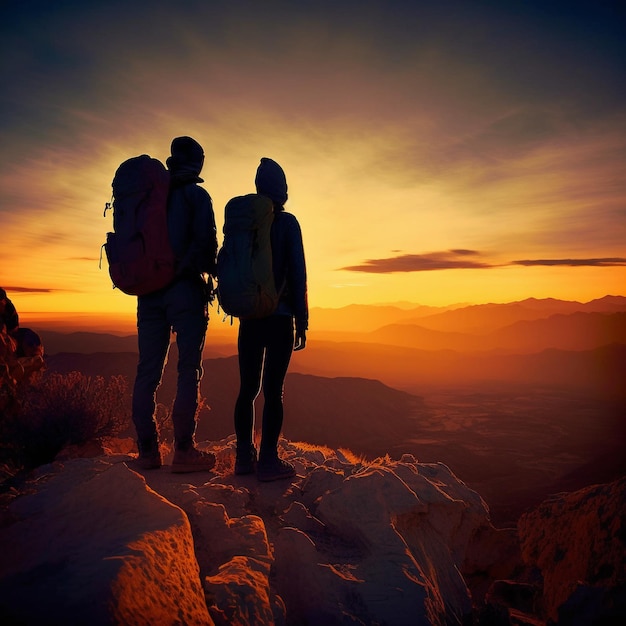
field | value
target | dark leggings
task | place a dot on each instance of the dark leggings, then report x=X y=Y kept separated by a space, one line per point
x=265 y=347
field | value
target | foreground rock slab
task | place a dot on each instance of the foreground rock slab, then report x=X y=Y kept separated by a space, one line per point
x=93 y=545
x=345 y=541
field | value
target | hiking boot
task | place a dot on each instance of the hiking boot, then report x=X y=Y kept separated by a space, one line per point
x=245 y=463
x=275 y=469
x=192 y=460
x=149 y=461
x=149 y=455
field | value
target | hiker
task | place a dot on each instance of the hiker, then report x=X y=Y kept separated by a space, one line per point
x=265 y=344
x=180 y=307
x=8 y=314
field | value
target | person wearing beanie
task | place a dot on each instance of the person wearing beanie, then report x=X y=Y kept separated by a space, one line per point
x=270 y=181
x=265 y=345
x=186 y=161
x=181 y=307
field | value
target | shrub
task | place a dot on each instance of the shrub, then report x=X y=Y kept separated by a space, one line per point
x=63 y=409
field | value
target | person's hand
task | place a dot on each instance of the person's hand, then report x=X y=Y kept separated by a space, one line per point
x=300 y=342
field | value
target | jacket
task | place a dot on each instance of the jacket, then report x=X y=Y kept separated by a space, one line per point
x=191 y=227
x=289 y=267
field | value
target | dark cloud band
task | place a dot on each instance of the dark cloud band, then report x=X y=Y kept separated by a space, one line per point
x=452 y=259
x=608 y=262
x=11 y=289
x=465 y=259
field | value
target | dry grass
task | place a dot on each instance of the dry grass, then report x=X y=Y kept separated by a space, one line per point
x=63 y=409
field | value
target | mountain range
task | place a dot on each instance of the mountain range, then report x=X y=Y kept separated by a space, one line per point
x=515 y=398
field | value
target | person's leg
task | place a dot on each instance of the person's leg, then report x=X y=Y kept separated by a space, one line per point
x=250 y=344
x=153 y=338
x=277 y=357
x=187 y=314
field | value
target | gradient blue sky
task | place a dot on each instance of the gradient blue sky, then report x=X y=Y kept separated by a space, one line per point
x=436 y=152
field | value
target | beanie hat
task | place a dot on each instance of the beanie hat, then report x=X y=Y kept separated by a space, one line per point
x=187 y=154
x=270 y=181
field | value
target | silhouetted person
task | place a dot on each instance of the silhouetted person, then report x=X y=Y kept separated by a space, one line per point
x=265 y=345
x=8 y=314
x=180 y=307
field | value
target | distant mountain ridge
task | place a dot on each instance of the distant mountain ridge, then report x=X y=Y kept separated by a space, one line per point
x=482 y=317
x=574 y=331
x=572 y=349
x=462 y=318
x=86 y=342
x=366 y=317
x=448 y=329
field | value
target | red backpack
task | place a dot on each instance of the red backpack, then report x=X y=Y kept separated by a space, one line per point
x=140 y=256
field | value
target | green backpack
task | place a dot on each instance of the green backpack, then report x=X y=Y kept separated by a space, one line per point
x=245 y=280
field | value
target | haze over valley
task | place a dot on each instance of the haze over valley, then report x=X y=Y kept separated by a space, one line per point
x=520 y=400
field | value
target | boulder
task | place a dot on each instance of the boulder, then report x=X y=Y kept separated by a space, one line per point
x=94 y=545
x=402 y=567
x=239 y=593
x=578 y=542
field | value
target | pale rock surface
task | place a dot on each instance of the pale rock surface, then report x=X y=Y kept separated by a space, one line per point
x=407 y=542
x=344 y=542
x=297 y=516
x=315 y=591
x=240 y=593
x=94 y=545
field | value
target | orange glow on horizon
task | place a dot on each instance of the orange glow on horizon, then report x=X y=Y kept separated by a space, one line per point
x=380 y=164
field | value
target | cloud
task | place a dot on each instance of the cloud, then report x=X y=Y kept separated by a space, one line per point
x=12 y=289
x=465 y=259
x=607 y=262
x=450 y=259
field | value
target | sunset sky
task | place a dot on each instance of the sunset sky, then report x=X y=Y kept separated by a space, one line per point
x=436 y=152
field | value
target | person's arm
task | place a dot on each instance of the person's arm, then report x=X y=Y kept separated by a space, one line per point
x=204 y=232
x=298 y=283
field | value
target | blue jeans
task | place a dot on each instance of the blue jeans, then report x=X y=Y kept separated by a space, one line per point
x=179 y=308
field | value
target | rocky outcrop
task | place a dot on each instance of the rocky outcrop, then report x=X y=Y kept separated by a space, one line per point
x=93 y=545
x=345 y=542
x=16 y=370
x=577 y=541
